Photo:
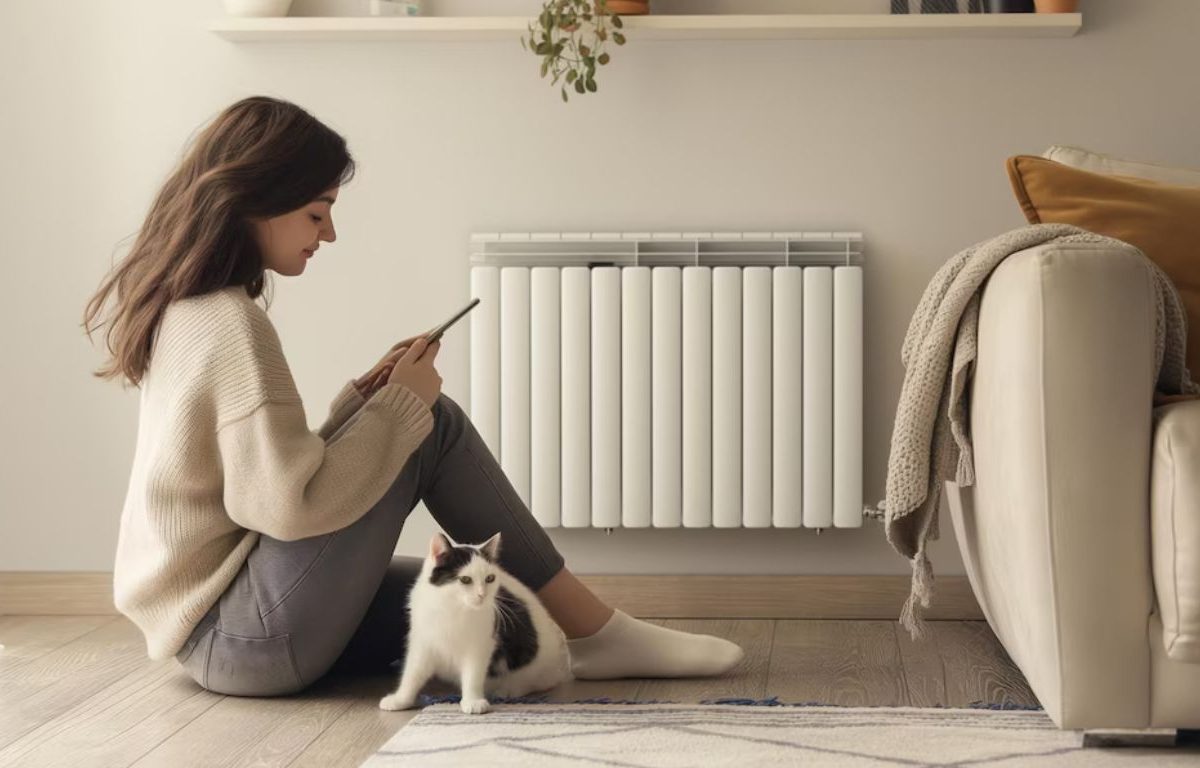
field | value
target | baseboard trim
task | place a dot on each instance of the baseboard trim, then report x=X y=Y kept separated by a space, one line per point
x=50 y=593
x=779 y=597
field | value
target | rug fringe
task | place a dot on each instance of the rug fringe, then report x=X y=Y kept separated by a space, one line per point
x=427 y=700
x=1004 y=705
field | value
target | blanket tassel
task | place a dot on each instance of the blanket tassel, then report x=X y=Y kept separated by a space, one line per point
x=922 y=590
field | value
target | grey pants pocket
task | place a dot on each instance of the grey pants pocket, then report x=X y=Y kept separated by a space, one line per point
x=252 y=666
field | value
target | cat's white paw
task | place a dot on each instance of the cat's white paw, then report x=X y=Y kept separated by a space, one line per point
x=394 y=702
x=475 y=706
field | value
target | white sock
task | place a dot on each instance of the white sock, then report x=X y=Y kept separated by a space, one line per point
x=629 y=647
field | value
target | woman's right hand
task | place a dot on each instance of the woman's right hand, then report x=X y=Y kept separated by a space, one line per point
x=419 y=375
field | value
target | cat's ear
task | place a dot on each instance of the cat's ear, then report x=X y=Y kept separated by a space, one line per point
x=491 y=548
x=439 y=545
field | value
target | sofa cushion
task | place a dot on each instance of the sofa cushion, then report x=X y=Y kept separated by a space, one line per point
x=1097 y=162
x=1175 y=527
x=1162 y=220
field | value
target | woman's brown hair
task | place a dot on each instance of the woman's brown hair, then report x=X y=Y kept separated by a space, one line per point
x=260 y=157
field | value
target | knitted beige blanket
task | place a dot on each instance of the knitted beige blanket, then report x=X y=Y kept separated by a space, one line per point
x=938 y=355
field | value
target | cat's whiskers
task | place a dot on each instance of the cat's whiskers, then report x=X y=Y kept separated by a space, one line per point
x=505 y=613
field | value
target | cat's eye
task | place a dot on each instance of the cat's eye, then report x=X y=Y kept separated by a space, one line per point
x=490 y=578
x=465 y=579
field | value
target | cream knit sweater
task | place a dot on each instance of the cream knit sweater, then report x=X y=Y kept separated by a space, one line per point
x=224 y=452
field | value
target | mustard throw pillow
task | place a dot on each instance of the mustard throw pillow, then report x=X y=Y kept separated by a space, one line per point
x=1162 y=220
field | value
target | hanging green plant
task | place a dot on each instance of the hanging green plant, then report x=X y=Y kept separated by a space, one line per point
x=570 y=37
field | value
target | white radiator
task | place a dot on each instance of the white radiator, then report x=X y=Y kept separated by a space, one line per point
x=672 y=379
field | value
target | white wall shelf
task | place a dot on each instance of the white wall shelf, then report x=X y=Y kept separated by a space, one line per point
x=652 y=27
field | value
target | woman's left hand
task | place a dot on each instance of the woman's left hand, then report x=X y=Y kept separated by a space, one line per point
x=378 y=375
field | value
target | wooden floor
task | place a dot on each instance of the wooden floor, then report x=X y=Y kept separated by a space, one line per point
x=79 y=691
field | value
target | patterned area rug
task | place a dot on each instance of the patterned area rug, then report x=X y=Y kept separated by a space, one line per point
x=671 y=735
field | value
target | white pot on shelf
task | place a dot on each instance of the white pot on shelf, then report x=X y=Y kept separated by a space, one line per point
x=257 y=7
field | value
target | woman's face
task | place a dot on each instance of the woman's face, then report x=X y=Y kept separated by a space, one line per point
x=289 y=240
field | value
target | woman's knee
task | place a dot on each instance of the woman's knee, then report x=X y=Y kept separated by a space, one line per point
x=449 y=406
x=451 y=419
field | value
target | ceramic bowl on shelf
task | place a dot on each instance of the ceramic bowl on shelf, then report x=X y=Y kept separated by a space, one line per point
x=257 y=7
x=395 y=8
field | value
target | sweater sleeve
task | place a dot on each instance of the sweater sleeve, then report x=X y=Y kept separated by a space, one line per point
x=286 y=481
x=345 y=404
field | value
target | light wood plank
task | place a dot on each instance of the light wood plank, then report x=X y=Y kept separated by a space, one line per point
x=96 y=700
x=921 y=666
x=35 y=693
x=118 y=724
x=260 y=731
x=748 y=680
x=664 y=596
x=26 y=638
x=851 y=663
x=977 y=666
x=578 y=690
x=360 y=729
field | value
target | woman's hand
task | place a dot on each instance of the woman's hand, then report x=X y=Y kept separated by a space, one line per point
x=375 y=378
x=419 y=375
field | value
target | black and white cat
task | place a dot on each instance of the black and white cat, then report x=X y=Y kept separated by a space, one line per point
x=474 y=624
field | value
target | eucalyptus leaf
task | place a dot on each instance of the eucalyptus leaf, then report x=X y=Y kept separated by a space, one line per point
x=570 y=39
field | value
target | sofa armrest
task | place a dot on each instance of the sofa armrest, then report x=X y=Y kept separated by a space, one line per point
x=1055 y=532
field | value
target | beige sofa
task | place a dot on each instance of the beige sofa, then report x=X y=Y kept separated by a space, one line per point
x=1081 y=537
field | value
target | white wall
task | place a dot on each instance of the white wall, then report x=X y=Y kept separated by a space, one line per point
x=904 y=140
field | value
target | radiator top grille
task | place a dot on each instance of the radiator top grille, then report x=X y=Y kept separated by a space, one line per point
x=662 y=249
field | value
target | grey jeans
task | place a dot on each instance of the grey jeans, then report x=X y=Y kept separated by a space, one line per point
x=338 y=602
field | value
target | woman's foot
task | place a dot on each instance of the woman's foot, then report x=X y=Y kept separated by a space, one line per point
x=629 y=647
x=607 y=643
